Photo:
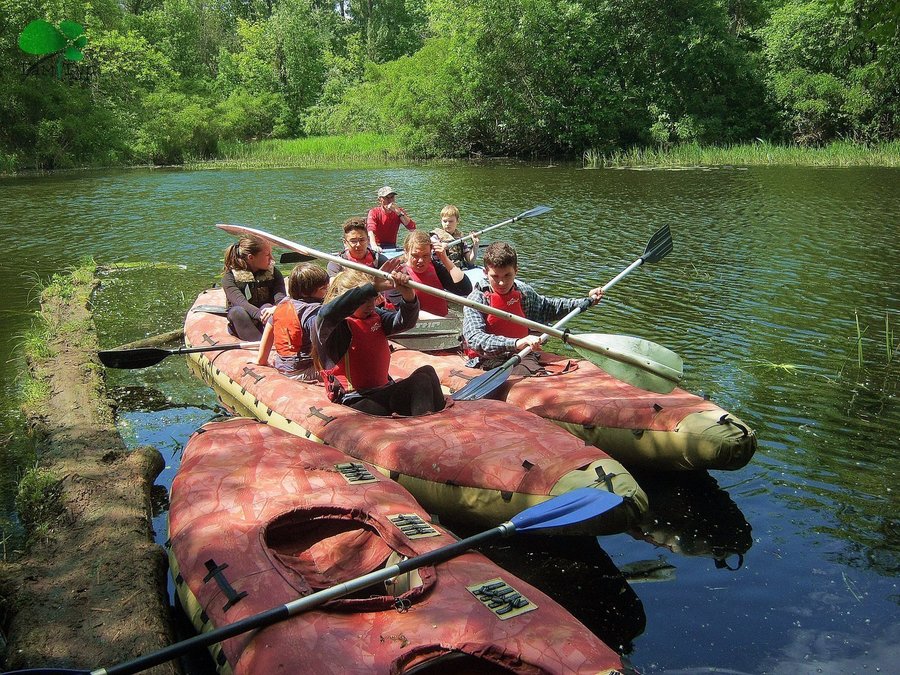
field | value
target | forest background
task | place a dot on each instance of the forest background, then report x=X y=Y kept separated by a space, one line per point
x=169 y=81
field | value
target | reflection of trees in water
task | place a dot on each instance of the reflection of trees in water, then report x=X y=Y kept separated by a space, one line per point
x=580 y=576
x=136 y=398
x=691 y=515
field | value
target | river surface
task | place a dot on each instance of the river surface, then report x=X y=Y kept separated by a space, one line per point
x=789 y=565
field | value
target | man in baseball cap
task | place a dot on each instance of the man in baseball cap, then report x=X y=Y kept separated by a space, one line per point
x=384 y=221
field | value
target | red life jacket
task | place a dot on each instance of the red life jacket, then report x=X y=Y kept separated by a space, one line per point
x=512 y=303
x=366 y=362
x=368 y=260
x=429 y=303
x=286 y=330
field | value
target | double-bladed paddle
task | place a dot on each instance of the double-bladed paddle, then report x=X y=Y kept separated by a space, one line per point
x=657 y=248
x=150 y=356
x=636 y=356
x=567 y=509
x=295 y=257
x=530 y=213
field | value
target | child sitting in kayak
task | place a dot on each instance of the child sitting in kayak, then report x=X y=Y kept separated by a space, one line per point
x=252 y=285
x=291 y=325
x=427 y=263
x=463 y=253
x=356 y=247
x=490 y=340
x=351 y=347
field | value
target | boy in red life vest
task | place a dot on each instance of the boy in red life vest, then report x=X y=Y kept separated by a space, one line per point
x=384 y=221
x=428 y=263
x=356 y=247
x=491 y=340
x=291 y=326
x=351 y=347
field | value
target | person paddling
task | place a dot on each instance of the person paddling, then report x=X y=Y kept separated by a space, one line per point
x=356 y=247
x=428 y=263
x=463 y=253
x=384 y=220
x=489 y=340
x=252 y=285
x=350 y=347
x=291 y=326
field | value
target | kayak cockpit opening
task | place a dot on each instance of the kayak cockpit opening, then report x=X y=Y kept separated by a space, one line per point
x=321 y=547
x=485 y=660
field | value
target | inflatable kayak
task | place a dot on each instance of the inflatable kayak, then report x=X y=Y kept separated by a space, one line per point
x=641 y=429
x=258 y=518
x=475 y=462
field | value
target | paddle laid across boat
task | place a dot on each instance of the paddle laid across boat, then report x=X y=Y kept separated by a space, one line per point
x=662 y=364
x=474 y=461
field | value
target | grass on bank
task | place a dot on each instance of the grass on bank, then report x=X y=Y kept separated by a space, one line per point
x=837 y=154
x=356 y=150
x=364 y=150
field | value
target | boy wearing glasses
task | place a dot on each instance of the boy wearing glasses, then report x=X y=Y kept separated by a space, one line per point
x=356 y=247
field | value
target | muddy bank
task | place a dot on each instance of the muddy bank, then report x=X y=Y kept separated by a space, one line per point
x=90 y=591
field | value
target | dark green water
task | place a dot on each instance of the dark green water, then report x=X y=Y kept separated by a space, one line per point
x=759 y=296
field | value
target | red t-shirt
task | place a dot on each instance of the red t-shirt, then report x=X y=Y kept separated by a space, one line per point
x=385 y=225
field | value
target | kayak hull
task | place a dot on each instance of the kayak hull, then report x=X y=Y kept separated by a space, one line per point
x=679 y=431
x=259 y=517
x=475 y=463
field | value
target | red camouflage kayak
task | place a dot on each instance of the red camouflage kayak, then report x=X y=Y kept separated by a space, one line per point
x=259 y=517
x=476 y=462
x=641 y=429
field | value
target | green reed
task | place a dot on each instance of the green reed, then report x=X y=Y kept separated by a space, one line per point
x=355 y=150
x=839 y=153
x=859 y=344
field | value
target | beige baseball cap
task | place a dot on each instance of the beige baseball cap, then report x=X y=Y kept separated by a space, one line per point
x=386 y=190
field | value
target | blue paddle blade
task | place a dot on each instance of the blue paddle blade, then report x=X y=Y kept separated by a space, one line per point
x=569 y=508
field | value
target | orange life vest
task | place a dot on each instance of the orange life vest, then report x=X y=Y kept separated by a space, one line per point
x=366 y=362
x=286 y=329
x=429 y=303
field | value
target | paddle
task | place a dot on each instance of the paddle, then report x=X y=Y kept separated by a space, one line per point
x=567 y=509
x=663 y=366
x=295 y=257
x=150 y=356
x=657 y=248
x=530 y=213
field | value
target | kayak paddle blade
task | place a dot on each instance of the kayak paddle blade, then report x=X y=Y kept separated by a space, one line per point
x=536 y=211
x=648 y=365
x=569 y=508
x=659 y=246
x=484 y=385
x=294 y=257
x=133 y=358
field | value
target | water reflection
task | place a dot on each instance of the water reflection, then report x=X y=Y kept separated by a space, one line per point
x=691 y=515
x=760 y=296
x=579 y=575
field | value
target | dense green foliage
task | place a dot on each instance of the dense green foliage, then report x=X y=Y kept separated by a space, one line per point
x=165 y=81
